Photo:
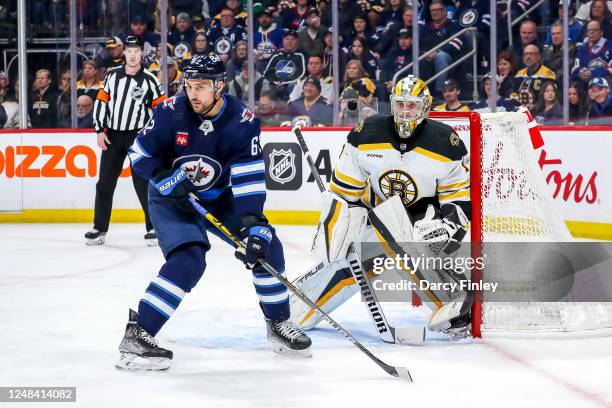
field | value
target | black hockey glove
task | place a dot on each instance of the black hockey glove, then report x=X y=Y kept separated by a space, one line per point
x=256 y=239
x=174 y=183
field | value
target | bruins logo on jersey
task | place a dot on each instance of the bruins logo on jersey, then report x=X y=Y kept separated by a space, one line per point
x=398 y=182
x=454 y=139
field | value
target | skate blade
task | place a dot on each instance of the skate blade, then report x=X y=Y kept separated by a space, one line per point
x=92 y=242
x=133 y=362
x=288 y=352
x=151 y=242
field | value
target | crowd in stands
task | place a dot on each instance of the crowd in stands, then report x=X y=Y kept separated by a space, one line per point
x=293 y=45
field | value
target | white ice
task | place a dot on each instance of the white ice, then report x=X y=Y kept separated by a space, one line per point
x=63 y=308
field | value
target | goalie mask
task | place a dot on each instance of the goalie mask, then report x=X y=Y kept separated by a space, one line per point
x=410 y=104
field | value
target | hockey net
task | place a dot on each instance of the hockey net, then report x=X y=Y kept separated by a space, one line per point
x=512 y=203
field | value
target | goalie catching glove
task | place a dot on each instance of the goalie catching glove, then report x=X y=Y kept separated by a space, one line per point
x=443 y=230
x=256 y=239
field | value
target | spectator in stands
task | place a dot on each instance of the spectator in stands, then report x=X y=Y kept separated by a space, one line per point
x=200 y=44
x=360 y=51
x=315 y=70
x=11 y=108
x=240 y=15
x=398 y=57
x=43 y=101
x=267 y=110
x=114 y=55
x=268 y=38
x=575 y=27
x=138 y=28
x=312 y=36
x=174 y=76
x=506 y=68
x=155 y=66
x=437 y=30
x=578 y=104
x=328 y=68
x=182 y=36
x=224 y=36
x=239 y=84
x=553 y=54
x=601 y=106
x=528 y=81
x=239 y=56
x=548 y=110
x=84 y=112
x=584 y=10
x=594 y=56
x=63 y=100
x=89 y=83
x=601 y=13
x=286 y=66
x=450 y=93
x=347 y=10
x=312 y=104
x=528 y=35
x=485 y=102
x=389 y=36
x=357 y=92
x=4 y=86
x=294 y=17
x=391 y=14
x=362 y=29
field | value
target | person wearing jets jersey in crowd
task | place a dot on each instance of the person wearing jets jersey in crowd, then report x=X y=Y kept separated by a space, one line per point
x=204 y=142
x=404 y=155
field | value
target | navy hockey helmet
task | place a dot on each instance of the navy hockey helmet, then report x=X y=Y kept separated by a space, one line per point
x=205 y=67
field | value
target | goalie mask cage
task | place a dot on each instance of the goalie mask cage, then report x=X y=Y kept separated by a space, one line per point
x=511 y=202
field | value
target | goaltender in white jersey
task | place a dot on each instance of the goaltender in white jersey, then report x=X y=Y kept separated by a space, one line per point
x=404 y=154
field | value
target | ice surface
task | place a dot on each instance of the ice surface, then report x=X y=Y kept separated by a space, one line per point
x=64 y=306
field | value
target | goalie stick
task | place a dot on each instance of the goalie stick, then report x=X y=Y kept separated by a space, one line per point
x=400 y=372
x=386 y=332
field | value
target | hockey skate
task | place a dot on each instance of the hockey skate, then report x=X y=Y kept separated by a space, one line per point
x=151 y=238
x=287 y=338
x=454 y=318
x=139 y=350
x=94 y=237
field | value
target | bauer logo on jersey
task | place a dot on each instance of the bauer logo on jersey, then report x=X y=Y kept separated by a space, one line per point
x=398 y=182
x=202 y=170
x=284 y=166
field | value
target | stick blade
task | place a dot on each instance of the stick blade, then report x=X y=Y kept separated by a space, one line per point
x=401 y=372
x=409 y=335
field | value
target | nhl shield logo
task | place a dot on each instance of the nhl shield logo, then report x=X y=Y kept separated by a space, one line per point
x=282 y=165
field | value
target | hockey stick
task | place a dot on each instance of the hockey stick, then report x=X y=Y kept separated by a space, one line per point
x=400 y=372
x=386 y=332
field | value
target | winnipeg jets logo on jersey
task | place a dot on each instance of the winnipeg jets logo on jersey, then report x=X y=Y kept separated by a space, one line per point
x=398 y=182
x=202 y=170
x=206 y=127
x=282 y=165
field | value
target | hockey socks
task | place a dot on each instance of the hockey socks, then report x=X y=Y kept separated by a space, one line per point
x=181 y=272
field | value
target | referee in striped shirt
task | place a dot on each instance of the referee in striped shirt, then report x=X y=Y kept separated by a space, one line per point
x=123 y=106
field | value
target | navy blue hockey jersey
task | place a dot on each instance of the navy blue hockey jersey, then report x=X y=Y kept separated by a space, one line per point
x=218 y=154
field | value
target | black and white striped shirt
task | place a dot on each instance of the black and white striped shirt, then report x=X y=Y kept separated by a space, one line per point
x=125 y=102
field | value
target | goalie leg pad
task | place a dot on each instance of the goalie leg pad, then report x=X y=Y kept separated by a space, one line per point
x=328 y=286
x=339 y=226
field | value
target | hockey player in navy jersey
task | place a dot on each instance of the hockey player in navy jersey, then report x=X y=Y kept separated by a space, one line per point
x=205 y=142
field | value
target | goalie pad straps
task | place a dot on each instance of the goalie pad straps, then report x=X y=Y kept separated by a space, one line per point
x=339 y=226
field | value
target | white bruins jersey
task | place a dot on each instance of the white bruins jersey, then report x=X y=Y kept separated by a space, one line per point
x=426 y=168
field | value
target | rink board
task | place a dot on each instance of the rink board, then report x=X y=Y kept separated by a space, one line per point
x=50 y=176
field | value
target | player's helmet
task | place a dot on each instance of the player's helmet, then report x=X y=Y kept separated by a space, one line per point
x=410 y=104
x=205 y=67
